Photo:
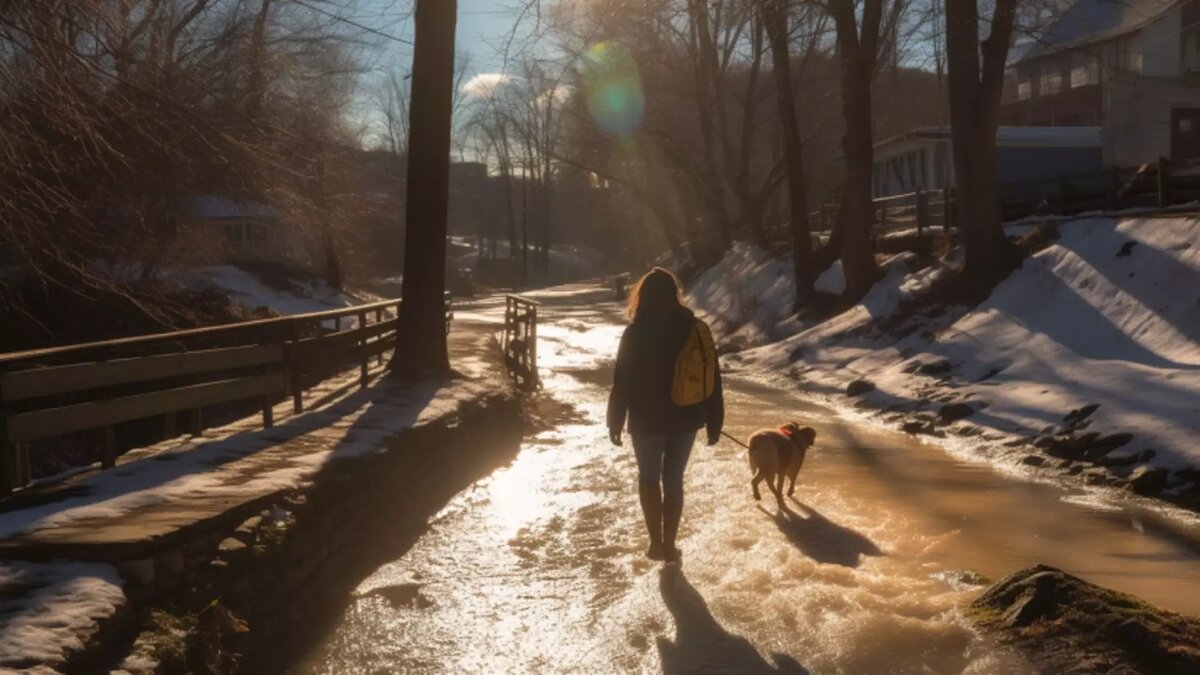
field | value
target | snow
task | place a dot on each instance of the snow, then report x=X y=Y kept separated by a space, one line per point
x=51 y=609
x=234 y=464
x=249 y=291
x=749 y=294
x=1076 y=325
x=567 y=262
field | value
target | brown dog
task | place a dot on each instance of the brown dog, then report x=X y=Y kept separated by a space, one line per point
x=779 y=453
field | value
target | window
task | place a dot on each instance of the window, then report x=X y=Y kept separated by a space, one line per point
x=1051 y=80
x=1024 y=91
x=1085 y=71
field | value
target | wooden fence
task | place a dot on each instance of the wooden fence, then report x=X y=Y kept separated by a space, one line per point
x=1160 y=185
x=52 y=392
x=519 y=343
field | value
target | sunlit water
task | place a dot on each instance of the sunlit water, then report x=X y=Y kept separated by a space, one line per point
x=539 y=567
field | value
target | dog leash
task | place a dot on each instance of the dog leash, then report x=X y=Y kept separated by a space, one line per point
x=726 y=435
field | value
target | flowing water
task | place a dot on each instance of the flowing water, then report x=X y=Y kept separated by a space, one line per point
x=539 y=567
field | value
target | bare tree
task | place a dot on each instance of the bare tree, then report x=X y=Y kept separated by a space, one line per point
x=976 y=76
x=860 y=41
x=775 y=18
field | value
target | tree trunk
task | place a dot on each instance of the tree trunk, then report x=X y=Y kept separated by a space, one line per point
x=975 y=90
x=422 y=349
x=857 y=56
x=775 y=18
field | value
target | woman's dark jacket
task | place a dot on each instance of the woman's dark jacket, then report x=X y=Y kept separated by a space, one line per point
x=643 y=376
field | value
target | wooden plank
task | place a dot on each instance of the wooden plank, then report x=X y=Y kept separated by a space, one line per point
x=26 y=384
x=207 y=331
x=57 y=421
x=323 y=346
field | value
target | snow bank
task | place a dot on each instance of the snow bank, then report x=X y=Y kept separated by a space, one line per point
x=749 y=294
x=51 y=609
x=1108 y=315
x=248 y=290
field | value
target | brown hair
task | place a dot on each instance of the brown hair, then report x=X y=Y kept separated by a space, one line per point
x=658 y=290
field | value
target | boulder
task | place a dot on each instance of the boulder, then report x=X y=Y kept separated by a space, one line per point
x=859 y=387
x=953 y=412
x=1148 y=480
x=938 y=367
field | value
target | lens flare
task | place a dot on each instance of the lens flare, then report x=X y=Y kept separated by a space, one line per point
x=614 y=89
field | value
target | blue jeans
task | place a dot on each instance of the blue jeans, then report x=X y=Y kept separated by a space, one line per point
x=663 y=457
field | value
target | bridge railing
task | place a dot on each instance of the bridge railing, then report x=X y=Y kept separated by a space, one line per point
x=48 y=393
x=519 y=343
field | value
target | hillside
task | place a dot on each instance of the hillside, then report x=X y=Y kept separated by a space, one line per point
x=1086 y=359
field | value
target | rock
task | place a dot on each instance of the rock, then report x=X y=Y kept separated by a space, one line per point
x=1074 y=469
x=1079 y=414
x=953 y=412
x=729 y=348
x=1119 y=459
x=859 y=387
x=1025 y=597
x=1033 y=460
x=1148 y=454
x=1148 y=480
x=1126 y=249
x=913 y=427
x=938 y=367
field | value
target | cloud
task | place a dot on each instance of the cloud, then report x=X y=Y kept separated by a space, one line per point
x=484 y=85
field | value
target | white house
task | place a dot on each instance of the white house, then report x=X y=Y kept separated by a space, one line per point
x=924 y=158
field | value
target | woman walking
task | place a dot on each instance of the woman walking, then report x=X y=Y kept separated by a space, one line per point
x=663 y=431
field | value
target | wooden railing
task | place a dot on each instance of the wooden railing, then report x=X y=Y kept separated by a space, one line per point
x=519 y=343
x=1159 y=185
x=62 y=390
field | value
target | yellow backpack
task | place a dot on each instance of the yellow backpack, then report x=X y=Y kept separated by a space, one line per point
x=695 y=367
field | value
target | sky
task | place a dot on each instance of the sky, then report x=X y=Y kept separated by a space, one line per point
x=483 y=28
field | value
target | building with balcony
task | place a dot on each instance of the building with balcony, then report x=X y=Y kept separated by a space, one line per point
x=1132 y=68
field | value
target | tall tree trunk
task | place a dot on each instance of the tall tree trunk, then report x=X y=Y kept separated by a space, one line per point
x=975 y=91
x=422 y=349
x=775 y=18
x=857 y=56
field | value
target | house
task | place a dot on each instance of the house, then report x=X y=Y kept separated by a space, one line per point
x=251 y=229
x=924 y=158
x=1130 y=67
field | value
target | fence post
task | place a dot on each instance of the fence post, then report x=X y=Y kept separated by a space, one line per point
x=8 y=456
x=24 y=470
x=1115 y=187
x=378 y=320
x=362 y=349
x=293 y=370
x=1164 y=194
x=533 y=369
x=921 y=203
x=110 y=447
x=947 y=208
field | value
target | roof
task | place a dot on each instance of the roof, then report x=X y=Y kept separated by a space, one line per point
x=1090 y=21
x=216 y=207
x=1057 y=137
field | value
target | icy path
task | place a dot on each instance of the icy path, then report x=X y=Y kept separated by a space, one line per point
x=538 y=568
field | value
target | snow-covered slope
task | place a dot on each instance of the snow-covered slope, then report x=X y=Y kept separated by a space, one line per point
x=1109 y=315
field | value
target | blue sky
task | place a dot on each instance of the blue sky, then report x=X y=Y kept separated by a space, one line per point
x=483 y=26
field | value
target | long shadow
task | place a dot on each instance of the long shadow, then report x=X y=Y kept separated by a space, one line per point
x=701 y=644
x=1162 y=266
x=820 y=538
x=208 y=455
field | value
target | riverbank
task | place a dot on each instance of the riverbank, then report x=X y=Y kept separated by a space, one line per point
x=195 y=554
x=1082 y=365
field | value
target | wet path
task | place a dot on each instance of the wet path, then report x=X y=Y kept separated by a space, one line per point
x=538 y=568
